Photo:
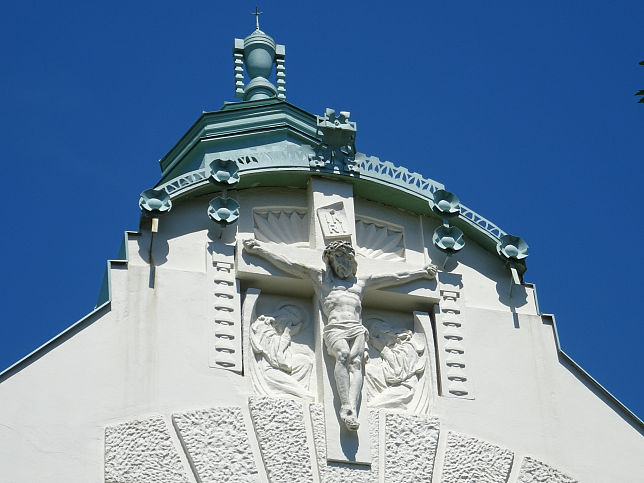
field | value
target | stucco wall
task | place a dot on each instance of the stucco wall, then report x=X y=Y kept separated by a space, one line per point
x=147 y=355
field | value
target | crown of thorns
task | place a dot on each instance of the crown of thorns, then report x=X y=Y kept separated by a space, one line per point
x=343 y=246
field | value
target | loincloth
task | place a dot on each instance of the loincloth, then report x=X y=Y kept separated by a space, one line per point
x=344 y=330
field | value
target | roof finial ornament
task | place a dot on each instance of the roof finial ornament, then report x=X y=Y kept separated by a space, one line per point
x=258 y=53
x=257 y=13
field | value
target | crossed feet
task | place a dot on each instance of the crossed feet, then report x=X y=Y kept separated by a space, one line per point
x=349 y=418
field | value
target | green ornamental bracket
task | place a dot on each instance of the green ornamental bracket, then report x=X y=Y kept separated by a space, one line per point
x=224 y=172
x=337 y=151
x=445 y=204
x=223 y=211
x=514 y=250
x=155 y=202
x=448 y=239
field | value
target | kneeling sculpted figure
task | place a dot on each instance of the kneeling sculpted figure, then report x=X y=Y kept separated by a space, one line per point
x=339 y=292
x=276 y=369
x=396 y=379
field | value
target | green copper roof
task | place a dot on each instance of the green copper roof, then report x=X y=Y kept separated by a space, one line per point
x=240 y=125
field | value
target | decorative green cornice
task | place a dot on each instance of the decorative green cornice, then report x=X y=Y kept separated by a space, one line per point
x=277 y=144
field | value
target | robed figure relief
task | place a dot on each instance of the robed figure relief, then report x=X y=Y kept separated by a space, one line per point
x=339 y=292
x=276 y=369
x=398 y=378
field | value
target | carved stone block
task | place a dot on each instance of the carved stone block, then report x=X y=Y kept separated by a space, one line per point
x=379 y=240
x=334 y=221
x=281 y=225
x=217 y=445
x=534 y=471
x=335 y=472
x=140 y=451
x=473 y=460
x=410 y=448
x=279 y=425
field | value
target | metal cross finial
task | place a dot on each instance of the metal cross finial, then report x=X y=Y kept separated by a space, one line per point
x=257 y=13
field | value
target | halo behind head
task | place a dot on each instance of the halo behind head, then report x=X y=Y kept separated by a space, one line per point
x=290 y=310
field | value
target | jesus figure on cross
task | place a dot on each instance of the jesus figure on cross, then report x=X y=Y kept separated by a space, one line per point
x=339 y=292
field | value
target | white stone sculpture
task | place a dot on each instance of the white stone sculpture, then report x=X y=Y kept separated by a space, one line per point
x=137 y=451
x=334 y=221
x=379 y=240
x=281 y=225
x=339 y=292
x=396 y=379
x=282 y=437
x=276 y=370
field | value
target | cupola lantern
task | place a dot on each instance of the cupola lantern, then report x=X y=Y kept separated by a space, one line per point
x=259 y=52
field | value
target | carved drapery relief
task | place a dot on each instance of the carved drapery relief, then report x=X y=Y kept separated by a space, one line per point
x=275 y=368
x=393 y=377
x=399 y=374
x=278 y=353
x=379 y=240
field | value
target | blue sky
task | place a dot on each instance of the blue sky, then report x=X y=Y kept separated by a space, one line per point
x=524 y=109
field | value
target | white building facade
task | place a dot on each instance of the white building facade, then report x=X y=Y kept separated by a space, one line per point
x=293 y=310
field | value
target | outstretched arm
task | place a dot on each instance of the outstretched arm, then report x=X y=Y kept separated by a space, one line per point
x=398 y=278
x=280 y=261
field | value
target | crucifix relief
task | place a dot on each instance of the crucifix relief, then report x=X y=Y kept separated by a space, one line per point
x=339 y=292
x=356 y=362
